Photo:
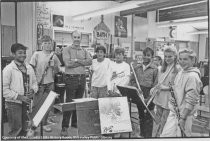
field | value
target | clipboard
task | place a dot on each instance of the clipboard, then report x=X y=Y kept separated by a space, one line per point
x=136 y=98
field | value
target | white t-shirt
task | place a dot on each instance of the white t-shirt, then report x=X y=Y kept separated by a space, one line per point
x=123 y=75
x=40 y=61
x=101 y=72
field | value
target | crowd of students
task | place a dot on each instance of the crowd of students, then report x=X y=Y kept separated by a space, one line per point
x=153 y=76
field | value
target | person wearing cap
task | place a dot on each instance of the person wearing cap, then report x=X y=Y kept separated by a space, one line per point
x=166 y=74
x=75 y=59
x=18 y=76
x=187 y=87
x=40 y=60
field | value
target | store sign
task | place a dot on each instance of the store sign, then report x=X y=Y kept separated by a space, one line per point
x=102 y=35
x=101 y=31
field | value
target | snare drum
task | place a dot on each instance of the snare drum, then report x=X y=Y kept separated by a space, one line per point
x=59 y=80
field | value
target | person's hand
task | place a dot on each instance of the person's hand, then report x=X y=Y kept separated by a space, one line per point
x=30 y=94
x=109 y=92
x=182 y=124
x=62 y=69
x=23 y=99
x=114 y=75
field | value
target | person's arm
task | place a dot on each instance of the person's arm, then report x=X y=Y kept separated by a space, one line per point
x=67 y=59
x=34 y=84
x=192 y=89
x=7 y=78
x=33 y=61
x=109 y=75
x=87 y=61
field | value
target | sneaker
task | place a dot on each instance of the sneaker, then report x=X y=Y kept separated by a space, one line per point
x=64 y=132
x=47 y=129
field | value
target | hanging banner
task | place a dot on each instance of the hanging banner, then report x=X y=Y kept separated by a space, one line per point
x=121 y=27
x=101 y=33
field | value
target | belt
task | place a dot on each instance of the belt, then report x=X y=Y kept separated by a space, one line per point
x=75 y=75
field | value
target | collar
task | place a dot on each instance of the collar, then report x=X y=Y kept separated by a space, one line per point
x=150 y=65
x=14 y=65
x=74 y=47
x=19 y=64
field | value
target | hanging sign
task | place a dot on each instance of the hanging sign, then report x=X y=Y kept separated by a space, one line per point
x=101 y=31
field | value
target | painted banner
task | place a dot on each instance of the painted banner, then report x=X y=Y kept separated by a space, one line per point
x=114 y=115
x=121 y=27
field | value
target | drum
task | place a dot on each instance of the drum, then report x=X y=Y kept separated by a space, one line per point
x=59 y=80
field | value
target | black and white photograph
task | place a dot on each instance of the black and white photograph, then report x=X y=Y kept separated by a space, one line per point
x=105 y=70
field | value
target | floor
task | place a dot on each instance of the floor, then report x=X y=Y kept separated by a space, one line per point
x=73 y=132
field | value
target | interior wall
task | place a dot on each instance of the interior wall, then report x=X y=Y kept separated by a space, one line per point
x=26 y=26
x=8 y=13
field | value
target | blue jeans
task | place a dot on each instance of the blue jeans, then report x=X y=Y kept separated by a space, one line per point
x=17 y=118
x=75 y=87
x=44 y=88
x=99 y=92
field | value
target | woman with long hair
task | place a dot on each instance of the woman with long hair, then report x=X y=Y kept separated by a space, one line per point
x=166 y=74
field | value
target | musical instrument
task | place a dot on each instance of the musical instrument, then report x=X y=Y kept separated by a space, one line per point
x=137 y=82
x=30 y=132
x=176 y=108
x=59 y=79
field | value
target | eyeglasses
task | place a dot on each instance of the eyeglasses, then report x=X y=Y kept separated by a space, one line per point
x=76 y=37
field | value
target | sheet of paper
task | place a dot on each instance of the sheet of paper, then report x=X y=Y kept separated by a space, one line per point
x=44 y=108
x=83 y=99
x=114 y=115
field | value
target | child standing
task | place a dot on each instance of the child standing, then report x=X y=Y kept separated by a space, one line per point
x=167 y=74
x=40 y=60
x=147 y=76
x=120 y=72
x=100 y=68
x=18 y=76
x=187 y=86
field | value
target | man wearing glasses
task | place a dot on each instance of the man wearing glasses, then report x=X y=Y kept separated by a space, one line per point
x=75 y=59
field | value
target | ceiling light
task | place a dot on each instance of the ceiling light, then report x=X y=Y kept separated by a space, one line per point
x=182 y=22
x=109 y=10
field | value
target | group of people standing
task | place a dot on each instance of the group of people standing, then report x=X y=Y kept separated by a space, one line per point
x=176 y=68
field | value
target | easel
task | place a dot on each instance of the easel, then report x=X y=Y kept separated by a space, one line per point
x=135 y=97
x=47 y=98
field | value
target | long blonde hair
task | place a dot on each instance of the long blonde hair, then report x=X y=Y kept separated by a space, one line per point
x=164 y=64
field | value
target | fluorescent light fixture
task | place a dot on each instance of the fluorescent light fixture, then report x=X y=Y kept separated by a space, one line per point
x=108 y=10
x=199 y=32
x=182 y=22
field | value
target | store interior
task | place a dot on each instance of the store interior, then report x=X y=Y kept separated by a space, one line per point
x=132 y=25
